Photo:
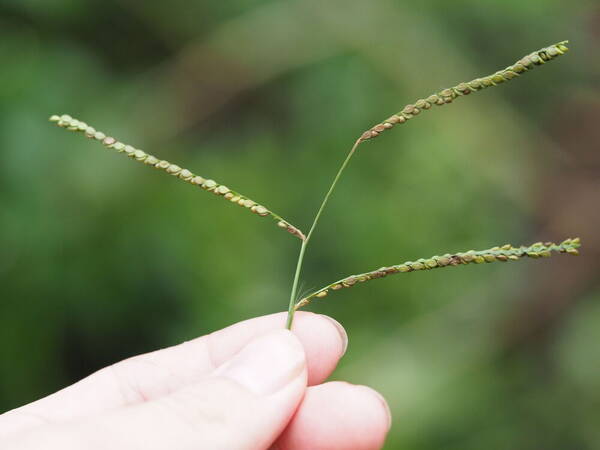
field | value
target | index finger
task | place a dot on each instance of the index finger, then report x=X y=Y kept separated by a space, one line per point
x=152 y=375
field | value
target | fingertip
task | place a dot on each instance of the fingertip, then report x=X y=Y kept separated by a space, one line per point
x=338 y=415
x=325 y=342
x=341 y=331
x=386 y=413
x=267 y=363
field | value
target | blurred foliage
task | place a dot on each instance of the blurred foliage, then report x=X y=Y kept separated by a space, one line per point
x=101 y=259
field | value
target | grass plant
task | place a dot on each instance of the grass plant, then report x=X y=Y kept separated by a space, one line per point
x=504 y=253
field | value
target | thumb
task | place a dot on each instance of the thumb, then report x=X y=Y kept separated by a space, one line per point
x=244 y=404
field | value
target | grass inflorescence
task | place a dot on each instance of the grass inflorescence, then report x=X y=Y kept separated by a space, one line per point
x=210 y=185
x=445 y=96
x=505 y=253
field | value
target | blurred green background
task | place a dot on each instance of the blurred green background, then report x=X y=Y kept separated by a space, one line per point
x=101 y=258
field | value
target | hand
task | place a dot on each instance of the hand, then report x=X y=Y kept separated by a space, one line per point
x=252 y=385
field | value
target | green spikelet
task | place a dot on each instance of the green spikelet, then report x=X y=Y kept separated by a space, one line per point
x=505 y=253
x=446 y=96
x=71 y=124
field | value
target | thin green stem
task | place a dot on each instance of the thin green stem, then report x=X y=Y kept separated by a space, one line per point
x=331 y=188
x=291 y=309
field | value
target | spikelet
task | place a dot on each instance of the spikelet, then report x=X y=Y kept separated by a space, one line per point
x=71 y=124
x=505 y=253
x=446 y=96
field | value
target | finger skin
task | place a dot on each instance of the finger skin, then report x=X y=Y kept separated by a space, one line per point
x=150 y=376
x=245 y=404
x=337 y=416
x=323 y=338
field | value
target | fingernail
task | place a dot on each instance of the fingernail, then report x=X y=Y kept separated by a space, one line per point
x=341 y=331
x=384 y=405
x=267 y=363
